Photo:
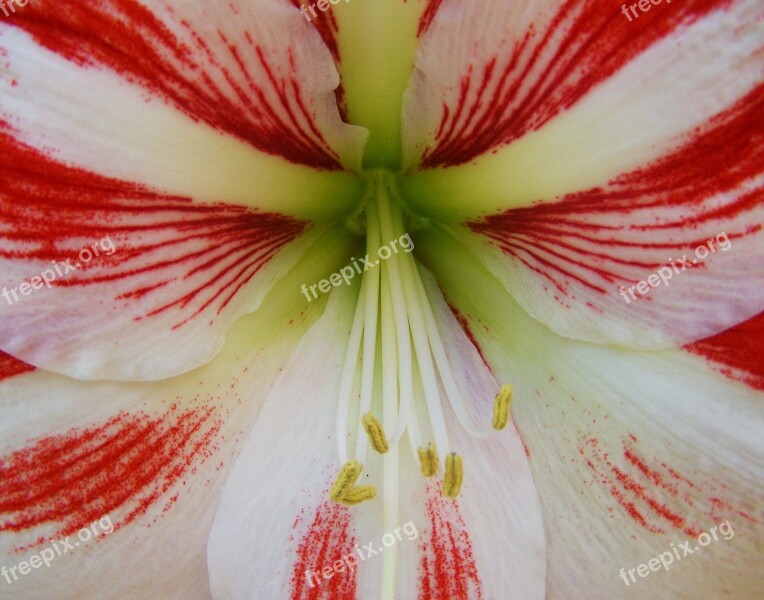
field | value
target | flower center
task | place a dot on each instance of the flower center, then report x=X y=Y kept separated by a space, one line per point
x=395 y=337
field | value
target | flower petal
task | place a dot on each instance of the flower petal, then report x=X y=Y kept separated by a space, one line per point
x=253 y=71
x=488 y=544
x=649 y=450
x=539 y=100
x=589 y=205
x=499 y=503
x=150 y=458
x=122 y=130
x=579 y=213
x=130 y=274
x=10 y=367
x=736 y=352
x=283 y=468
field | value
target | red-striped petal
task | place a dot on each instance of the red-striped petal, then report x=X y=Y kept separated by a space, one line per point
x=690 y=223
x=255 y=72
x=737 y=352
x=491 y=72
x=129 y=273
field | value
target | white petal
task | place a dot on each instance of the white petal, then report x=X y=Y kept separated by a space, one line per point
x=97 y=77
x=135 y=133
x=155 y=300
x=536 y=100
x=600 y=168
x=279 y=482
x=631 y=451
x=275 y=501
x=639 y=275
x=152 y=457
x=499 y=503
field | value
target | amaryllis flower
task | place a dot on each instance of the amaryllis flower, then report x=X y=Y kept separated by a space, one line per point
x=378 y=299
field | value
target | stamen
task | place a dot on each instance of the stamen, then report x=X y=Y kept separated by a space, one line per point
x=348 y=376
x=419 y=336
x=428 y=459
x=344 y=490
x=390 y=469
x=393 y=292
x=501 y=406
x=411 y=362
x=376 y=434
x=452 y=482
x=358 y=495
x=444 y=368
x=370 y=294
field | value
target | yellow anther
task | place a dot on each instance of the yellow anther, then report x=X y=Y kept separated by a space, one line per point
x=452 y=482
x=358 y=495
x=501 y=406
x=349 y=474
x=377 y=437
x=344 y=490
x=428 y=459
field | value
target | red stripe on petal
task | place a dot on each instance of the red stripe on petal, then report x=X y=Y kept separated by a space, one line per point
x=120 y=468
x=428 y=15
x=738 y=352
x=325 y=23
x=465 y=325
x=547 y=71
x=656 y=496
x=328 y=28
x=227 y=80
x=621 y=233
x=204 y=253
x=447 y=568
x=329 y=538
x=10 y=367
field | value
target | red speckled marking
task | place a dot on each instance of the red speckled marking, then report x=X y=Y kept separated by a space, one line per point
x=226 y=79
x=10 y=367
x=597 y=238
x=328 y=538
x=737 y=352
x=448 y=570
x=654 y=495
x=119 y=469
x=215 y=248
x=551 y=68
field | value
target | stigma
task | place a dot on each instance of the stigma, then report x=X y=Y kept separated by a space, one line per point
x=395 y=339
